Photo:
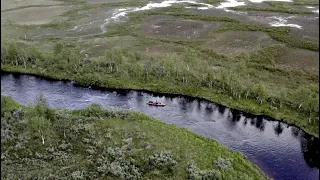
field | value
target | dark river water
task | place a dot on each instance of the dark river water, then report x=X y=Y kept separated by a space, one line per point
x=283 y=152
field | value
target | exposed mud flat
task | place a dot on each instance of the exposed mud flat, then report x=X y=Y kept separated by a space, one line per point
x=233 y=43
x=35 y=15
x=176 y=28
x=10 y=4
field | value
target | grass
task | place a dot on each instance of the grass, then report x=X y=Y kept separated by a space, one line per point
x=306 y=2
x=125 y=4
x=181 y=12
x=280 y=34
x=195 y=16
x=81 y=143
x=214 y=2
x=69 y=16
x=22 y=7
x=275 y=7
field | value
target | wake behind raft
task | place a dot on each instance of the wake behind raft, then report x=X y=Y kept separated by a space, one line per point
x=151 y=103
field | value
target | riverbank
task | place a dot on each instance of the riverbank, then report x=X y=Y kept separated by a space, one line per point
x=72 y=144
x=284 y=114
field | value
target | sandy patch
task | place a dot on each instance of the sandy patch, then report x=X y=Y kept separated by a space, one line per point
x=234 y=43
x=9 y=4
x=300 y=59
x=35 y=15
x=171 y=27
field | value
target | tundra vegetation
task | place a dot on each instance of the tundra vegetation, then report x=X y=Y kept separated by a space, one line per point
x=93 y=143
x=277 y=7
x=255 y=80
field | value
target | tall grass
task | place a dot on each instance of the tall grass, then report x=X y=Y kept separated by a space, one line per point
x=275 y=7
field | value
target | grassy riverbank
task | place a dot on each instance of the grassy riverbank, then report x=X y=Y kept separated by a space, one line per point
x=227 y=89
x=95 y=143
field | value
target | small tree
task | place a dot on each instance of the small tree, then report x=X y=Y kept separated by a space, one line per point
x=261 y=93
x=63 y=121
x=223 y=164
x=283 y=95
x=13 y=53
x=4 y=53
x=57 y=48
x=39 y=126
x=312 y=105
x=241 y=67
x=300 y=96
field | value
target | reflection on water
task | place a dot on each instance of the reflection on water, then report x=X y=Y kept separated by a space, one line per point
x=283 y=152
x=310 y=149
x=295 y=131
x=278 y=129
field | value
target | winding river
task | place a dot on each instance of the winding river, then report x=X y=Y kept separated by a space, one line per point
x=283 y=152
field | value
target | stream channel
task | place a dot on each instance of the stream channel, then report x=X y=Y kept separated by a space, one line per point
x=283 y=152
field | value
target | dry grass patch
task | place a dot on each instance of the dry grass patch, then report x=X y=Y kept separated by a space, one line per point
x=35 y=15
x=236 y=42
x=171 y=27
x=10 y=4
x=98 y=46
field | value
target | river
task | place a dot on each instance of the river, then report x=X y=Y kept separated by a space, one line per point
x=283 y=152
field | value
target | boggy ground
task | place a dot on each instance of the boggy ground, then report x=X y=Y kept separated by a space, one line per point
x=234 y=57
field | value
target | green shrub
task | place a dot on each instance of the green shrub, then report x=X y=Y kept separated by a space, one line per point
x=223 y=164
x=162 y=160
x=194 y=173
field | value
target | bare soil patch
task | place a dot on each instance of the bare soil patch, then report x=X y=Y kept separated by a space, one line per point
x=9 y=4
x=300 y=59
x=176 y=28
x=233 y=43
x=35 y=15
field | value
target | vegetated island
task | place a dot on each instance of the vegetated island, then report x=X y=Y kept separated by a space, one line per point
x=95 y=143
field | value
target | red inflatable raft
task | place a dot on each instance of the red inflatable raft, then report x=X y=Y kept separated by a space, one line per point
x=151 y=103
